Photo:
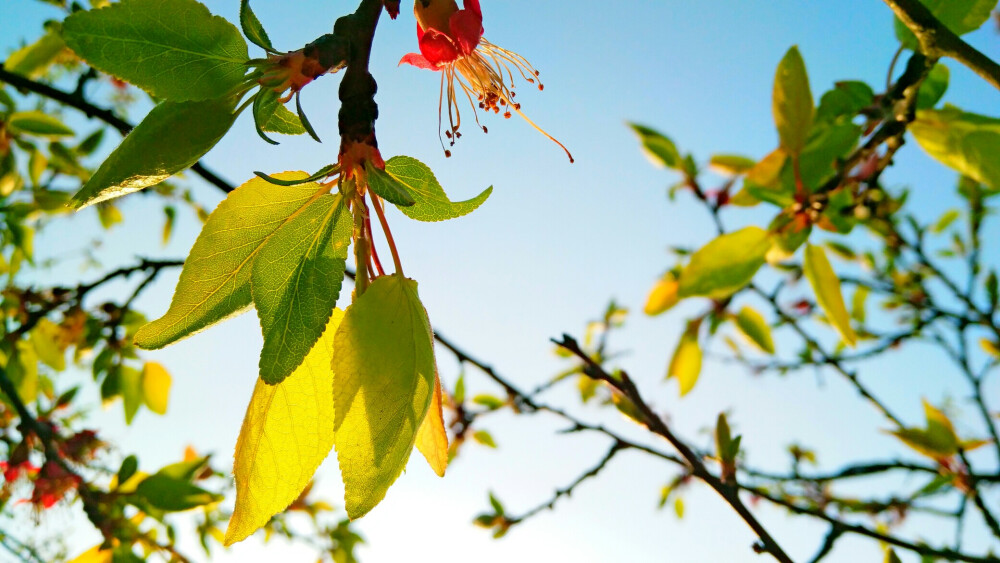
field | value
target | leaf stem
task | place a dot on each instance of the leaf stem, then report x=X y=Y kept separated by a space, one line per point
x=388 y=233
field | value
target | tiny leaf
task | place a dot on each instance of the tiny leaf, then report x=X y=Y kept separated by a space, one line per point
x=755 y=329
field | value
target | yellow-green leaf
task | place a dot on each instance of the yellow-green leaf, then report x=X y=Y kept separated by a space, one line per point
x=130 y=382
x=792 y=102
x=725 y=265
x=663 y=297
x=753 y=326
x=37 y=123
x=658 y=147
x=45 y=338
x=826 y=285
x=35 y=59
x=384 y=370
x=965 y=142
x=686 y=362
x=215 y=282
x=432 y=440
x=286 y=434
x=731 y=164
x=156 y=383
x=94 y=555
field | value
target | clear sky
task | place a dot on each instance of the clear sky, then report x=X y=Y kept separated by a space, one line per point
x=545 y=254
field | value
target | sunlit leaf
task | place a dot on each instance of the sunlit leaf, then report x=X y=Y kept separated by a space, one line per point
x=731 y=164
x=826 y=286
x=660 y=149
x=432 y=440
x=753 y=326
x=965 y=142
x=34 y=60
x=37 y=123
x=384 y=373
x=933 y=87
x=45 y=338
x=156 y=382
x=130 y=382
x=485 y=438
x=174 y=49
x=252 y=27
x=792 y=102
x=215 y=282
x=432 y=204
x=663 y=296
x=685 y=365
x=286 y=434
x=725 y=265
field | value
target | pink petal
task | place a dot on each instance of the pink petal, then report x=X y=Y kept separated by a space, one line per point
x=437 y=47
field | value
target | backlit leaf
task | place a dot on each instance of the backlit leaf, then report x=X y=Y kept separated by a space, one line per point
x=792 y=102
x=384 y=371
x=215 y=282
x=171 y=494
x=37 y=123
x=663 y=297
x=826 y=286
x=274 y=117
x=933 y=87
x=484 y=438
x=432 y=204
x=960 y=16
x=174 y=49
x=156 y=382
x=733 y=165
x=725 y=265
x=295 y=283
x=130 y=382
x=686 y=362
x=34 y=60
x=286 y=434
x=660 y=149
x=432 y=440
x=755 y=329
x=252 y=27
x=388 y=187
x=45 y=338
x=966 y=142
x=170 y=139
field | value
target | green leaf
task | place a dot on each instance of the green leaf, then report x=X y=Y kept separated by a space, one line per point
x=725 y=265
x=321 y=174
x=792 y=102
x=388 y=187
x=295 y=283
x=128 y=468
x=432 y=204
x=844 y=101
x=275 y=117
x=934 y=86
x=891 y=557
x=658 y=147
x=960 y=16
x=130 y=387
x=170 y=139
x=174 y=49
x=966 y=142
x=731 y=164
x=485 y=438
x=685 y=365
x=37 y=123
x=173 y=495
x=35 y=59
x=826 y=146
x=215 y=281
x=45 y=339
x=286 y=434
x=753 y=326
x=858 y=302
x=383 y=365
x=252 y=27
x=826 y=286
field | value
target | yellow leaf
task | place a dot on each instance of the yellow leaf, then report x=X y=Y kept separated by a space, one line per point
x=989 y=347
x=686 y=363
x=287 y=432
x=94 y=555
x=155 y=387
x=383 y=366
x=663 y=297
x=826 y=285
x=432 y=440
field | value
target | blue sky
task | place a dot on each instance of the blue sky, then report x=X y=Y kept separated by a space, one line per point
x=554 y=243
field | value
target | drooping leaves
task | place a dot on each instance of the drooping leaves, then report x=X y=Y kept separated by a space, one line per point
x=431 y=203
x=725 y=265
x=792 y=102
x=966 y=142
x=753 y=326
x=432 y=440
x=170 y=139
x=286 y=434
x=273 y=117
x=826 y=286
x=174 y=49
x=384 y=373
x=686 y=362
x=295 y=283
x=388 y=187
x=215 y=282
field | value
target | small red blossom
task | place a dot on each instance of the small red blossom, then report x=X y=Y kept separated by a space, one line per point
x=53 y=483
x=451 y=42
x=81 y=447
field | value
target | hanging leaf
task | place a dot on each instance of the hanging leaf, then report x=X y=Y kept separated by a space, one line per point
x=826 y=286
x=432 y=440
x=172 y=138
x=156 y=382
x=755 y=329
x=295 y=283
x=384 y=370
x=215 y=281
x=725 y=265
x=686 y=362
x=174 y=49
x=286 y=434
x=965 y=142
x=663 y=297
x=660 y=149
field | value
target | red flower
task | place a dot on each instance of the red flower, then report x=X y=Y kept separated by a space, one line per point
x=451 y=41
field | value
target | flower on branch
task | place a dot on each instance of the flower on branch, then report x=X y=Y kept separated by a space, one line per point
x=451 y=42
